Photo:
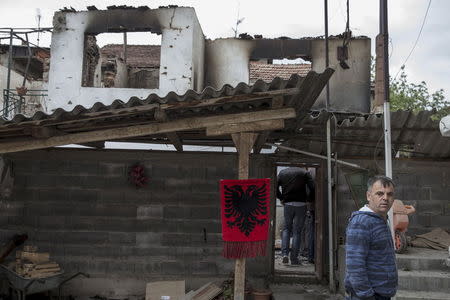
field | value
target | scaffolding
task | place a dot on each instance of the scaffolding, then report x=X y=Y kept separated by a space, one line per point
x=14 y=99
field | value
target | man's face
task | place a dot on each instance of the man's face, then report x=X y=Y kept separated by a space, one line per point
x=380 y=198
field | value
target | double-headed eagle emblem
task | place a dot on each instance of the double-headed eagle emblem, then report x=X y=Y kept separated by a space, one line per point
x=245 y=206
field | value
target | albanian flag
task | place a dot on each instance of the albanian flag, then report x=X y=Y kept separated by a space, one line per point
x=245 y=217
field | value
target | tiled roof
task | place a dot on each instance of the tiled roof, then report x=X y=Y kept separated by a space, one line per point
x=143 y=56
x=268 y=72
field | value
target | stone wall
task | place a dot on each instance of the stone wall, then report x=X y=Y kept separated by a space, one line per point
x=79 y=206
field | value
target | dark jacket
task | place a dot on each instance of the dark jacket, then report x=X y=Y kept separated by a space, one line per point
x=370 y=256
x=293 y=182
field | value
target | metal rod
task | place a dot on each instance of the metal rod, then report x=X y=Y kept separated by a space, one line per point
x=8 y=78
x=28 y=61
x=316 y=155
x=386 y=105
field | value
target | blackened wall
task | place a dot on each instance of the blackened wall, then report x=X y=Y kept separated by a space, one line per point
x=79 y=206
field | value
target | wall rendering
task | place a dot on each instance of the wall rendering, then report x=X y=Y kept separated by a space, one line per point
x=181 y=53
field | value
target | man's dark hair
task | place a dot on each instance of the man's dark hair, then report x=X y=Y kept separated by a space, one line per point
x=385 y=181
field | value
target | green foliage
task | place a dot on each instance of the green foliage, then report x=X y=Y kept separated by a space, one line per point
x=405 y=95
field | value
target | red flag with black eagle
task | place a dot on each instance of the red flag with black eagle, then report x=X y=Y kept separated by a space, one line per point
x=245 y=217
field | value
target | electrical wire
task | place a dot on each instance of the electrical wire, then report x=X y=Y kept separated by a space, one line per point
x=417 y=40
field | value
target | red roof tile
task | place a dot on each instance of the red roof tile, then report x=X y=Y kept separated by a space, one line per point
x=268 y=72
x=138 y=56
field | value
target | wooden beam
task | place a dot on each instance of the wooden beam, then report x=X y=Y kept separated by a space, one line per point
x=43 y=132
x=262 y=138
x=244 y=143
x=173 y=137
x=245 y=127
x=148 y=129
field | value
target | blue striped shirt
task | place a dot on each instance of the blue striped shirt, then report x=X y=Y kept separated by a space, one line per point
x=370 y=256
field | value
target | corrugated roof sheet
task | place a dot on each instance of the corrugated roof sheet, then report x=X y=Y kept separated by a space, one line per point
x=297 y=92
x=414 y=134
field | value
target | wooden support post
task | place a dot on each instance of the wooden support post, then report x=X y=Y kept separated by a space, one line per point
x=244 y=143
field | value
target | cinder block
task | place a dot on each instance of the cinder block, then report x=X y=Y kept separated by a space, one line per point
x=148 y=239
x=88 y=238
x=204 y=268
x=205 y=212
x=149 y=212
x=176 y=212
x=173 y=268
x=112 y=196
x=416 y=193
x=111 y=169
x=76 y=167
x=175 y=239
x=122 y=238
x=83 y=195
x=52 y=222
x=439 y=193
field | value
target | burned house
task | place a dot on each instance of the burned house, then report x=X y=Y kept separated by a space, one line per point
x=81 y=205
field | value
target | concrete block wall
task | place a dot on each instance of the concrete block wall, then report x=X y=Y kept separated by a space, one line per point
x=79 y=206
x=424 y=184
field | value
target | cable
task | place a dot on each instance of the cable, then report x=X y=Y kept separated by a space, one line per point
x=417 y=40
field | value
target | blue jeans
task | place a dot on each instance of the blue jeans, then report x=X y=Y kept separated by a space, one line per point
x=294 y=218
x=312 y=233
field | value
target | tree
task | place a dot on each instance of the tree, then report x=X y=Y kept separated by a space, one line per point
x=405 y=95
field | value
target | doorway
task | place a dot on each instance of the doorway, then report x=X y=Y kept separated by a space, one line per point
x=310 y=256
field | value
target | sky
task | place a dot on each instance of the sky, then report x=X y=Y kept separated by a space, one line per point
x=429 y=61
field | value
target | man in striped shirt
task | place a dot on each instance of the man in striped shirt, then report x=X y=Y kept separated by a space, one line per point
x=370 y=255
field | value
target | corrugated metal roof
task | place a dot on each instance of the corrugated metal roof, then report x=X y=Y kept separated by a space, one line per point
x=297 y=92
x=414 y=134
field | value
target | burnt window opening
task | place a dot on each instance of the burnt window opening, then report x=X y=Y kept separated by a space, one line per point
x=122 y=60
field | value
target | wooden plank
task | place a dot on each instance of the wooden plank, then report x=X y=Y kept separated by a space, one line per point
x=174 y=289
x=277 y=102
x=244 y=127
x=244 y=145
x=148 y=129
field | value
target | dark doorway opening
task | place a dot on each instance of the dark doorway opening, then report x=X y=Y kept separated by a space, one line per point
x=311 y=263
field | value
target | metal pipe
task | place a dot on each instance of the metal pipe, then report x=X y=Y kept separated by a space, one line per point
x=329 y=179
x=386 y=105
x=316 y=155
